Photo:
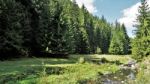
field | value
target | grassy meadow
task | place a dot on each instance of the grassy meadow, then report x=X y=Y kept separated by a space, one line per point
x=76 y=69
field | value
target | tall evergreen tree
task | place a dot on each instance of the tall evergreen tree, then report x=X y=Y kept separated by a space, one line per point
x=10 y=29
x=106 y=37
x=126 y=40
x=141 y=43
x=120 y=41
x=32 y=27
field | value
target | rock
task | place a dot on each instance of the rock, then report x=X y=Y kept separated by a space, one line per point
x=122 y=82
x=130 y=65
x=131 y=62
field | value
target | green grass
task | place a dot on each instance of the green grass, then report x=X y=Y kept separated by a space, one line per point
x=79 y=72
x=66 y=71
x=20 y=65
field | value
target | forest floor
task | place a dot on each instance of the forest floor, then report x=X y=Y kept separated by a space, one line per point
x=77 y=69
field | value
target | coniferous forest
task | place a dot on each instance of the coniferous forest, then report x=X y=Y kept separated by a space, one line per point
x=58 y=27
x=43 y=29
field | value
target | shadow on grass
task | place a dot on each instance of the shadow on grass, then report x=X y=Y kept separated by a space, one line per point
x=30 y=68
x=31 y=73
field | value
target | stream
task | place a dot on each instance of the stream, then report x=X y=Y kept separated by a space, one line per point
x=120 y=77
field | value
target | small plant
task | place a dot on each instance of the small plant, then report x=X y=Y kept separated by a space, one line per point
x=43 y=76
x=98 y=51
x=81 y=60
x=117 y=62
x=104 y=60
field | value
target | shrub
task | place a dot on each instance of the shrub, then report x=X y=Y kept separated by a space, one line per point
x=104 y=60
x=81 y=60
x=98 y=51
x=141 y=48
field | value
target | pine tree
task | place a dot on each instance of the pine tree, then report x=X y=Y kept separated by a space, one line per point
x=141 y=43
x=10 y=29
x=120 y=41
x=35 y=27
x=106 y=36
x=126 y=40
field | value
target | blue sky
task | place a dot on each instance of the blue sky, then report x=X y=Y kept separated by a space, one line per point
x=112 y=9
x=125 y=11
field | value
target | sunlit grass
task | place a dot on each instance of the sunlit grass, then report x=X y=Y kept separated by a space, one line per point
x=20 y=65
x=73 y=71
x=121 y=58
x=74 y=74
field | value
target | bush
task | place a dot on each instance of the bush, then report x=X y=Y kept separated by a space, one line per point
x=104 y=60
x=141 y=48
x=81 y=60
x=98 y=51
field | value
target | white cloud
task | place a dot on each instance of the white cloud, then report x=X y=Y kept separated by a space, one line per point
x=89 y=4
x=129 y=17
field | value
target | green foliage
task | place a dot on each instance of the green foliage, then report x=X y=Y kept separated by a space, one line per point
x=141 y=48
x=104 y=60
x=11 y=16
x=81 y=60
x=119 y=41
x=50 y=26
x=140 y=44
x=98 y=51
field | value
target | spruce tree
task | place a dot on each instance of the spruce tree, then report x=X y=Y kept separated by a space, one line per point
x=10 y=29
x=120 y=41
x=141 y=43
x=32 y=27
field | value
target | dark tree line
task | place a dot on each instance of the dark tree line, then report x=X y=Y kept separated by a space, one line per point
x=29 y=27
